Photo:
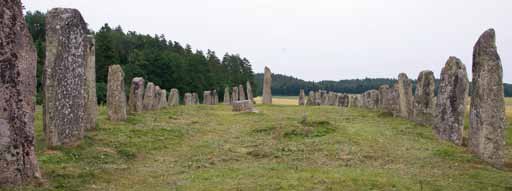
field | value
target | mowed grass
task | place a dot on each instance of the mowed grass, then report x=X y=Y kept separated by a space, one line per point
x=280 y=148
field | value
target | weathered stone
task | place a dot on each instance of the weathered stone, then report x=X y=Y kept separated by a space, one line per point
x=195 y=98
x=267 y=87
x=324 y=97
x=135 y=101
x=384 y=93
x=234 y=94
x=64 y=79
x=405 y=95
x=250 y=96
x=215 y=96
x=423 y=109
x=187 y=99
x=18 y=164
x=318 y=98
x=302 y=96
x=207 y=98
x=149 y=96
x=227 y=98
x=174 y=97
x=243 y=106
x=331 y=98
x=371 y=98
x=487 y=112
x=311 y=98
x=162 y=103
x=343 y=100
x=91 y=103
x=242 y=92
x=450 y=106
x=116 y=97
x=158 y=96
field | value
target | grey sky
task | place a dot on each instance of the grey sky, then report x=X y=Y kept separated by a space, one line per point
x=316 y=39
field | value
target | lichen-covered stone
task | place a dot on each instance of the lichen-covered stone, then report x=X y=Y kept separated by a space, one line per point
x=174 y=97
x=405 y=96
x=234 y=94
x=18 y=164
x=302 y=99
x=250 y=96
x=215 y=97
x=227 y=98
x=64 y=77
x=487 y=112
x=207 y=98
x=116 y=97
x=195 y=99
x=149 y=96
x=324 y=97
x=267 y=87
x=163 y=99
x=450 y=106
x=187 y=99
x=242 y=92
x=158 y=97
x=311 y=98
x=135 y=101
x=318 y=98
x=423 y=109
x=371 y=99
x=343 y=100
x=243 y=106
x=91 y=104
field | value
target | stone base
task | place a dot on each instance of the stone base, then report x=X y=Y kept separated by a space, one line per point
x=243 y=106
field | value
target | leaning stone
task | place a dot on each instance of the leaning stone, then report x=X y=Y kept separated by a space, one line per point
x=404 y=86
x=242 y=92
x=227 y=99
x=174 y=97
x=116 y=97
x=302 y=96
x=250 y=96
x=487 y=112
x=234 y=94
x=149 y=96
x=64 y=77
x=18 y=163
x=450 y=106
x=91 y=103
x=136 y=98
x=267 y=87
x=243 y=106
x=423 y=109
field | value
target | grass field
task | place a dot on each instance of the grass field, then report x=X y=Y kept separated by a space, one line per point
x=211 y=148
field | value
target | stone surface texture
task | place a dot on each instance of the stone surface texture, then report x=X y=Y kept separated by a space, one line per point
x=91 y=104
x=149 y=96
x=136 y=98
x=405 y=96
x=424 y=98
x=267 y=86
x=174 y=97
x=243 y=106
x=116 y=96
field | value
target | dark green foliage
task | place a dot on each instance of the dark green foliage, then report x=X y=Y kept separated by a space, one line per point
x=166 y=63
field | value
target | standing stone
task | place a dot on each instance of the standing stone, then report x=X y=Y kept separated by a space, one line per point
x=234 y=94
x=404 y=85
x=371 y=98
x=18 y=164
x=156 y=100
x=195 y=99
x=450 y=106
x=116 y=97
x=423 y=109
x=136 y=98
x=215 y=96
x=149 y=96
x=343 y=100
x=250 y=96
x=187 y=99
x=91 y=103
x=384 y=94
x=207 y=98
x=311 y=98
x=64 y=78
x=318 y=98
x=242 y=92
x=174 y=97
x=162 y=103
x=302 y=98
x=267 y=87
x=227 y=99
x=487 y=112
x=243 y=106
x=352 y=101
x=323 y=97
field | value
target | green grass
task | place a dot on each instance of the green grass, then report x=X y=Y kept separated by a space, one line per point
x=211 y=148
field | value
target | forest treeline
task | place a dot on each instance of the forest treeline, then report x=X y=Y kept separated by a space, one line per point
x=290 y=86
x=167 y=63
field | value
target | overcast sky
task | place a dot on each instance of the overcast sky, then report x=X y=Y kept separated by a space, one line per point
x=316 y=39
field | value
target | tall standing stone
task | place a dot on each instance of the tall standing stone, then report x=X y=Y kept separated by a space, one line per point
x=318 y=98
x=91 y=104
x=116 y=97
x=384 y=94
x=174 y=97
x=423 y=109
x=136 y=98
x=149 y=96
x=404 y=86
x=207 y=98
x=195 y=99
x=450 y=106
x=163 y=99
x=215 y=96
x=267 y=87
x=227 y=99
x=234 y=94
x=487 y=112
x=302 y=97
x=323 y=97
x=250 y=96
x=64 y=77
x=187 y=99
x=242 y=92
x=18 y=164
x=311 y=98
x=158 y=97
